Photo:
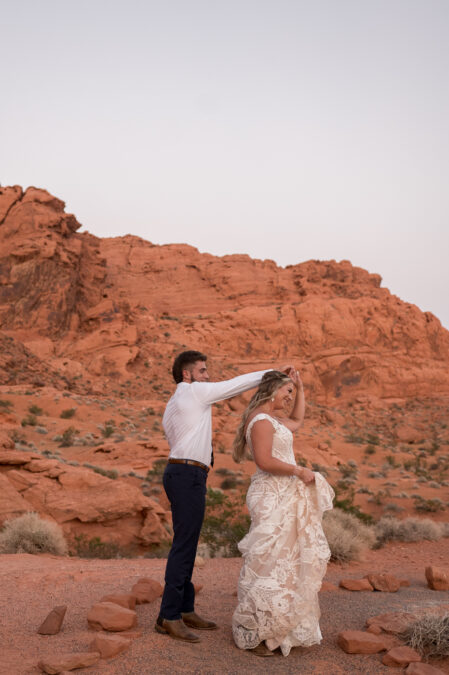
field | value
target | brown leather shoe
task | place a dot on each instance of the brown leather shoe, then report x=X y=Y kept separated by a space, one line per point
x=261 y=650
x=192 y=620
x=175 y=629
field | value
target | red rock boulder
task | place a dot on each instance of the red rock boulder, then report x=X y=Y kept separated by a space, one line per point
x=437 y=579
x=111 y=617
x=360 y=642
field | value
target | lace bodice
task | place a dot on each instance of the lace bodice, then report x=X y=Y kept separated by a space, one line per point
x=282 y=439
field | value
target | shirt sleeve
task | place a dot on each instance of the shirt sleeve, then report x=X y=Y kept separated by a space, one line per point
x=211 y=392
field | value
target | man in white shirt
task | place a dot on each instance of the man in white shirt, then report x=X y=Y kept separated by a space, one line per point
x=187 y=424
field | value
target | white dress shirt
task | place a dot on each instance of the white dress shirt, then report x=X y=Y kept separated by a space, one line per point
x=187 y=418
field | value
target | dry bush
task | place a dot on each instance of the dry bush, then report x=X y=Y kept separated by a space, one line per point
x=31 y=534
x=429 y=635
x=347 y=536
x=409 y=529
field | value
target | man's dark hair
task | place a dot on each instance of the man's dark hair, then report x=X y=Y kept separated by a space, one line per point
x=185 y=359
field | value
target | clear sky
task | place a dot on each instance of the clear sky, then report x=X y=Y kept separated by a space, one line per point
x=285 y=129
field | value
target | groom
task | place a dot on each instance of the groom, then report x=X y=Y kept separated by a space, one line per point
x=187 y=424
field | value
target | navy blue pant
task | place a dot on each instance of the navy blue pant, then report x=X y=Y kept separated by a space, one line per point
x=185 y=486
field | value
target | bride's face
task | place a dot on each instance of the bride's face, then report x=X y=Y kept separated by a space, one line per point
x=284 y=396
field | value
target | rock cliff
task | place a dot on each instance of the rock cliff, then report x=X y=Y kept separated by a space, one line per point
x=103 y=318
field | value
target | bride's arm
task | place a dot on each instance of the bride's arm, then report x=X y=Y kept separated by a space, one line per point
x=296 y=417
x=262 y=442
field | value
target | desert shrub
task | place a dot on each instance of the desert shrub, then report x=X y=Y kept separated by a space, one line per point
x=67 y=413
x=35 y=410
x=344 y=500
x=108 y=429
x=5 y=405
x=67 y=437
x=354 y=438
x=109 y=473
x=348 y=470
x=347 y=536
x=29 y=421
x=95 y=548
x=428 y=505
x=156 y=472
x=228 y=483
x=223 y=471
x=224 y=525
x=409 y=529
x=393 y=508
x=30 y=533
x=429 y=635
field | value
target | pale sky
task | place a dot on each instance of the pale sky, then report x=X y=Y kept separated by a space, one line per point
x=284 y=129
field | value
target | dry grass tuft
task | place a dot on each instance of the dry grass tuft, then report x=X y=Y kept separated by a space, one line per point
x=347 y=536
x=31 y=534
x=409 y=529
x=429 y=635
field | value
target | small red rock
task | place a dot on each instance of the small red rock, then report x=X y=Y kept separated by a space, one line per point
x=356 y=584
x=391 y=641
x=437 y=579
x=360 y=642
x=423 y=669
x=52 y=624
x=109 y=645
x=124 y=599
x=387 y=583
x=56 y=663
x=327 y=586
x=400 y=657
x=393 y=622
x=112 y=617
x=375 y=630
x=146 y=590
x=131 y=634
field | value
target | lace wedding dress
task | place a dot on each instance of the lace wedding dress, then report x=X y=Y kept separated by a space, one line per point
x=285 y=554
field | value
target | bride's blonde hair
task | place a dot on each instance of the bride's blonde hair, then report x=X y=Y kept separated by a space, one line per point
x=271 y=382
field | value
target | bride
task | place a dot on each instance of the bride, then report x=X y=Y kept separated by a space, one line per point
x=285 y=552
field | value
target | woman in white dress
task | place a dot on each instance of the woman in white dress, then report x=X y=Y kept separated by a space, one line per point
x=285 y=552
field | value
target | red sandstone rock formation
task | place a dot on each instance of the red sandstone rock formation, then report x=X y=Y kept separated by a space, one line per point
x=102 y=318
x=102 y=308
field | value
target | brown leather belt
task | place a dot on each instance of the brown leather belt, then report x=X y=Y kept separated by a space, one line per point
x=193 y=462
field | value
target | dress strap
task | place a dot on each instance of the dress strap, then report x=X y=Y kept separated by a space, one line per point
x=256 y=418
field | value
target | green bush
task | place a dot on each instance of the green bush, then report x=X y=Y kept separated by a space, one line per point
x=5 y=405
x=224 y=525
x=157 y=470
x=32 y=534
x=95 y=548
x=67 y=437
x=109 y=473
x=347 y=536
x=35 y=410
x=428 y=505
x=29 y=421
x=228 y=483
x=67 y=413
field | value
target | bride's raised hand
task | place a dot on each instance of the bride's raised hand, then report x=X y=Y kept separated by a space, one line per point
x=296 y=379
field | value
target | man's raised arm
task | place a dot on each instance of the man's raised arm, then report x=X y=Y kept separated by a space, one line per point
x=211 y=392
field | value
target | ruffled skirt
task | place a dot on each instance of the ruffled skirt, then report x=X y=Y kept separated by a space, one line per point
x=285 y=555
